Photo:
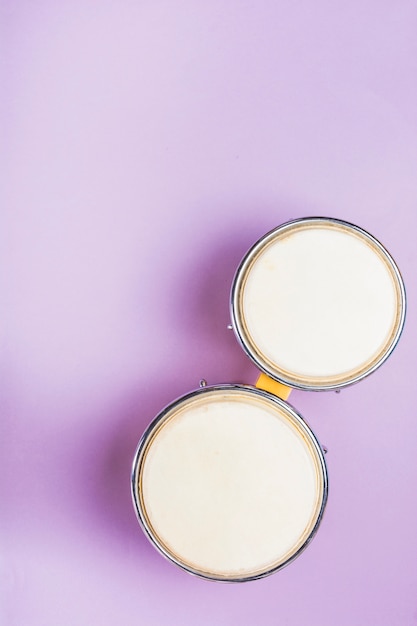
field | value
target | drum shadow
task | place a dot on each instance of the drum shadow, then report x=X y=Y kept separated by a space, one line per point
x=207 y=285
x=103 y=477
x=202 y=302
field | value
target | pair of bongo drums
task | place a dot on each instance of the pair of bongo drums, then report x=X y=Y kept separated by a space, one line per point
x=229 y=482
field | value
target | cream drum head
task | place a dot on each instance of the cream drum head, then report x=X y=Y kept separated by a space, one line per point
x=318 y=303
x=229 y=483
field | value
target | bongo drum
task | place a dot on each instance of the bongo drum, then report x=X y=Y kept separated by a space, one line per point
x=229 y=482
x=318 y=304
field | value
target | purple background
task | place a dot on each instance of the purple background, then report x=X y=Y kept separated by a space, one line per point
x=146 y=146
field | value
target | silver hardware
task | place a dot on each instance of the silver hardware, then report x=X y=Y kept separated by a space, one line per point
x=203 y=382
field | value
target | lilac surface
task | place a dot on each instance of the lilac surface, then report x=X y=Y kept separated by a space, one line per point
x=146 y=146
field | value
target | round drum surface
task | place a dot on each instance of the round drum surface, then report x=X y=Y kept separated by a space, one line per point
x=231 y=482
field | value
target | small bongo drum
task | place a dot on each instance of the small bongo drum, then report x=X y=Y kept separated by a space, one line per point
x=318 y=304
x=229 y=482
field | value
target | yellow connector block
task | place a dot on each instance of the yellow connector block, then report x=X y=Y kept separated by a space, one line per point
x=272 y=386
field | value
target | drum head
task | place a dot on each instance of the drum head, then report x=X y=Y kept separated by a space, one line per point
x=229 y=483
x=318 y=304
